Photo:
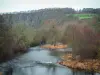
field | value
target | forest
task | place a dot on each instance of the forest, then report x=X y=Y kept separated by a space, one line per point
x=78 y=29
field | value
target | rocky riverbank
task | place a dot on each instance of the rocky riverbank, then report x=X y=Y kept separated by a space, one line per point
x=89 y=65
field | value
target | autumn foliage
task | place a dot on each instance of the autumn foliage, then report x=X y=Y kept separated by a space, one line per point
x=84 y=40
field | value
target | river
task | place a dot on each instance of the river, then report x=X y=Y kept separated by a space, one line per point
x=40 y=61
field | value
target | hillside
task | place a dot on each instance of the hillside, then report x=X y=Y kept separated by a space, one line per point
x=54 y=16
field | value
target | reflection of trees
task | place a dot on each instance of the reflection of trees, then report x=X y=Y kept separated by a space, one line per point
x=82 y=72
x=50 y=67
x=30 y=69
x=54 y=70
x=25 y=70
x=55 y=53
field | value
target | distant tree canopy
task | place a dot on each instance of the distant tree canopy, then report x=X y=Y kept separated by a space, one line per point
x=90 y=10
x=36 y=18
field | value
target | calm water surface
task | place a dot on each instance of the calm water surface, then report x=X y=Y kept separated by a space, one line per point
x=39 y=61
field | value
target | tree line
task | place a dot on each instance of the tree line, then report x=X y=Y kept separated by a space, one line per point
x=36 y=18
x=19 y=31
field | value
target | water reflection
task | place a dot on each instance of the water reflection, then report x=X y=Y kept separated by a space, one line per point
x=39 y=69
x=74 y=72
x=51 y=68
x=36 y=63
x=48 y=69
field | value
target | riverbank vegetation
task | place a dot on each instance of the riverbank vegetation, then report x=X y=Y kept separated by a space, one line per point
x=57 y=46
x=85 y=40
x=77 y=29
x=86 y=64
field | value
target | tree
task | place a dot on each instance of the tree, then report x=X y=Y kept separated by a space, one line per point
x=54 y=35
x=83 y=40
x=6 y=40
x=96 y=26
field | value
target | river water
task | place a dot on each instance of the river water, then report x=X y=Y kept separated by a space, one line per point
x=40 y=61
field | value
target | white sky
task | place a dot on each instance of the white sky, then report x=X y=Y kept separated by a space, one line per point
x=24 y=5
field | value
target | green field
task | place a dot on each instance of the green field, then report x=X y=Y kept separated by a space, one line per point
x=82 y=16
